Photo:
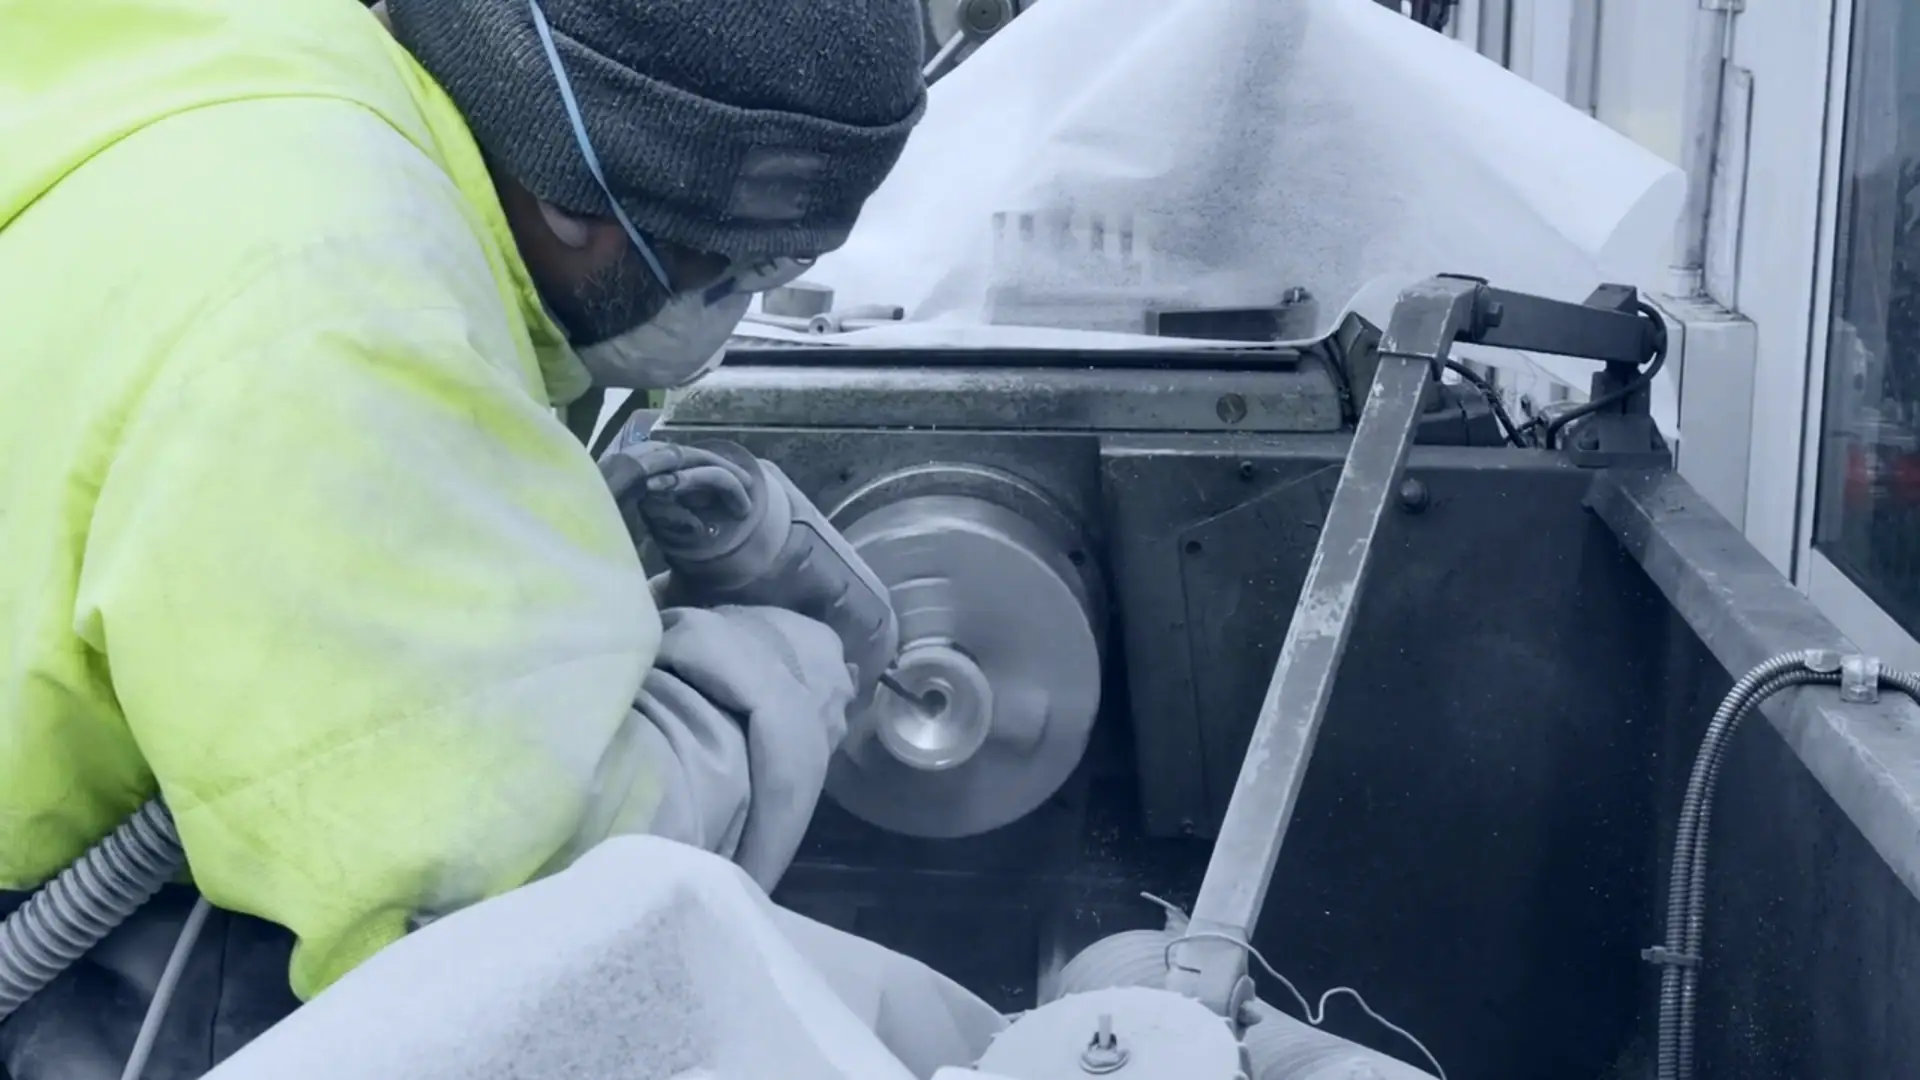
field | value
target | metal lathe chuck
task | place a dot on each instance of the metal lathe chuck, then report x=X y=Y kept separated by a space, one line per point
x=1000 y=643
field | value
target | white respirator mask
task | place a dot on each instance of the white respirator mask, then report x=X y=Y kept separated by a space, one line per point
x=688 y=337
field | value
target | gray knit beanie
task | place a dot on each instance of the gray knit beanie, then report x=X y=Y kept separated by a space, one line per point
x=738 y=127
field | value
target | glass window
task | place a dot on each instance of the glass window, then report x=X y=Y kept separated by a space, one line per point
x=1867 y=518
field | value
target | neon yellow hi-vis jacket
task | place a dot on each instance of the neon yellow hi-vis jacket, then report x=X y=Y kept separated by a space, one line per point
x=289 y=532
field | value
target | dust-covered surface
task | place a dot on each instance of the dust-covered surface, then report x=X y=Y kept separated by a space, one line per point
x=1100 y=157
x=647 y=960
x=962 y=335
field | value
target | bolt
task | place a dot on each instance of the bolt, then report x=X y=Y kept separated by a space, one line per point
x=1231 y=408
x=1247 y=470
x=1413 y=496
x=985 y=16
x=1103 y=1054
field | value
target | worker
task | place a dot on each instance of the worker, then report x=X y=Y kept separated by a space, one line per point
x=290 y=532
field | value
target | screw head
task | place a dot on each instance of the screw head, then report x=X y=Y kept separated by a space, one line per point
x=1103 y=1054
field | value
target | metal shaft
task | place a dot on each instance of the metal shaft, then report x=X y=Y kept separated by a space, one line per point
x=1213 y=967
x=888 y=680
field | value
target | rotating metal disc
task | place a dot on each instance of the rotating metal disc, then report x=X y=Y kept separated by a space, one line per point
x=1000 y=655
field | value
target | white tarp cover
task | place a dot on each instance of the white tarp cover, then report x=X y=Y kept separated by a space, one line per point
x=646 y=960
x=1241 y=147
x=1245 y=147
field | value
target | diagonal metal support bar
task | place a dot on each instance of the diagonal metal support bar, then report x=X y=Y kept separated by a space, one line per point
x=1212 y=965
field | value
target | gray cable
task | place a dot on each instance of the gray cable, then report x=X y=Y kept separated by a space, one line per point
x=1680 y=957
x=1674 y=956
x=83 y=904
x=156 y=1017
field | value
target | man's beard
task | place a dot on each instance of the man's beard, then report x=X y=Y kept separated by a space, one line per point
x=614 y=300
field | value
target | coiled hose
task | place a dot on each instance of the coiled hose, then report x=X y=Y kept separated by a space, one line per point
x=85 y=902
x=1679 y=958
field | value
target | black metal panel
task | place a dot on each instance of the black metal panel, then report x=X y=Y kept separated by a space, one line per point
x=1812 y=930
x=1155 y=492
x=1812 y=942
x=1483 y=834
x=1811 y=938
x=1478 y=806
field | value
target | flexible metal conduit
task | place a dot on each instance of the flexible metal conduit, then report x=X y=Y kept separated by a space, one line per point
x=81 y=906
x=1679 y=958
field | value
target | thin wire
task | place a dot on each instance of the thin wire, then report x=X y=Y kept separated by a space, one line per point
x=1479 y=382
x=617 y=423
x=579 y=122
x=1312 y=1015
x=943 y=58
x=163 y=993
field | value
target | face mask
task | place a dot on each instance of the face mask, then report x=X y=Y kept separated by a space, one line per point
x=688 y=338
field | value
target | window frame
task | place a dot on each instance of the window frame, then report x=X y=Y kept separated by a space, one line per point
x=1857 y=615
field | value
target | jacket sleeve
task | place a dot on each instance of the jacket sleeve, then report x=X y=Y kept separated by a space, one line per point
x=372 y=618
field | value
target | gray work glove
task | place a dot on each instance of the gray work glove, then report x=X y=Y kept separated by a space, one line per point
x=753 y=703
x=676 y=493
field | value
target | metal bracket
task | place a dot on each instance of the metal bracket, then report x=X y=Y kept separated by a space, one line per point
x=1860 y=680
x=1609 y=326
x=1661 y=956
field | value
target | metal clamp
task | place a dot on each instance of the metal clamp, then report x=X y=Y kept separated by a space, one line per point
x=1860 y=679
x=1661 y=956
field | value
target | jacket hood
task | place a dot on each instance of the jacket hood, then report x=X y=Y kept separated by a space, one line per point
x=77 y=77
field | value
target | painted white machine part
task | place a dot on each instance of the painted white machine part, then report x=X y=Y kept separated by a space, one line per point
x=1127 y=1033
x=1279 y=1046
x=646 y=957
x=998 y=645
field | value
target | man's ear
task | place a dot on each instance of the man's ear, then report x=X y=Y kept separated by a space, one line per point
x=574 y=232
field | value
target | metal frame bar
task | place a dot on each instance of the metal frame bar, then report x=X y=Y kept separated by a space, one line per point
x=1425 y=322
